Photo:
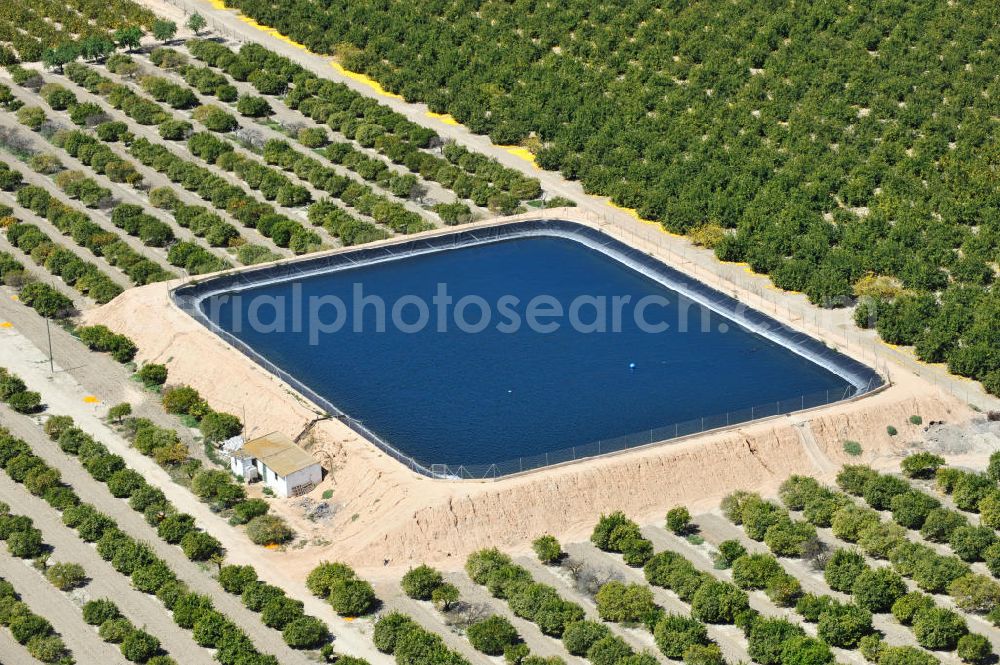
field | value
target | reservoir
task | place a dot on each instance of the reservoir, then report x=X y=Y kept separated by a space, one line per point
x=490 y=356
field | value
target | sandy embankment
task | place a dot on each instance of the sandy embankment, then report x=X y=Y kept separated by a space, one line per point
x=387 y=515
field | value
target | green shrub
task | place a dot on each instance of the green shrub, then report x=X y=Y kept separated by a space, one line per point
x=579 y=636
x=940 y=524
x=729 y=552
x=139 y=646
x=852 y=448
x=879 y=491
x=352 y=597
x=877 y=589
x=796 y=491
x=624 y=603
x=419 y=583
x=970 y=542
x=323 y=577
x=906 y=655
x=66 y=576
x=492 y=635
x=674 y=633
x=844 y=625
x=152 y=375
x=789 y=538
x=217 y=426
x=547 y=549
x=938 y=628
x=636 y=551
x=911 y=508
x=120 y=411
x=767 y=637
x=388 y=628
x=810 y=606
x=921 y=465
x=306 y=633
x=609 y=528
x=608 y=651
x=970 y=489
x=853 y=478
x=843 y=569
x=975 y=593
x=934 y=573
x=697 y=654
x=805 y=650
x=849 y=521
x=891 y=431
x=759 y=515
x=784 y=590
x=880 y=540
x=679 y=520
x=268 y=529
x=719 y=602
x=444 y=596
x=974 y=649
x=753 y=571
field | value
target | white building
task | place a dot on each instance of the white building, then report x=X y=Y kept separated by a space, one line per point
x=279 y=462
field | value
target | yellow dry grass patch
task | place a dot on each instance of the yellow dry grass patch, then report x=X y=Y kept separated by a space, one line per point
x=522 y=153
x=446 y=118
x=366 y=80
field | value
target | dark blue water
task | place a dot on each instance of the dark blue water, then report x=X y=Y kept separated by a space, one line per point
x=470 y=398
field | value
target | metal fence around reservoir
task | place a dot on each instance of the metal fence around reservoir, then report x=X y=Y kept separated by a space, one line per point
x=653 y=436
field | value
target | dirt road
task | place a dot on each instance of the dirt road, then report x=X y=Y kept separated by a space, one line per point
x=64 y=395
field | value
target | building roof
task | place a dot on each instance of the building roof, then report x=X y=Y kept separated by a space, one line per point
x=279 y=453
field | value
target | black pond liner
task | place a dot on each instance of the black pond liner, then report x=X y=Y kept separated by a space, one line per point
x=862 y=378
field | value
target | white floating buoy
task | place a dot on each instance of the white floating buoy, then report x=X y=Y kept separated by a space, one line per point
x=631 y=365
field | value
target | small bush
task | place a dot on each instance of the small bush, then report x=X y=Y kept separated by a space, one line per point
x=938 y=629
x=268 y=530
x=66 y=576
x=891 y=431
x=419 y=583
x=974 y=649
x=547 y=549
x=729 y=552
x=444 y=596
x=675 y=633
x=624 y=603
x=852 y=448
x=877 y=589
x=679 y=520
x=843 y=569
x=152 y=375
x=581 y=635
x=491 y=636
x=844 y=625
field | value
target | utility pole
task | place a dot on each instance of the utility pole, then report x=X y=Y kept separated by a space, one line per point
x=48 y=333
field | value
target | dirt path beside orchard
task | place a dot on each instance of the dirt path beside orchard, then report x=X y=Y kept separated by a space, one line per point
x=97 y=374
x=64 y=395
x=105 y=582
